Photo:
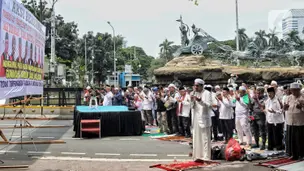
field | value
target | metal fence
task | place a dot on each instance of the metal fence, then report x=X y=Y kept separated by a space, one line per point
x=55 y=97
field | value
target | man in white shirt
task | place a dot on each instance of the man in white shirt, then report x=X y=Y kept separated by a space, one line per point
x=226 y=113
x=201 y=105
x=242 y=102
x=275 y=120
x=147 y=106
x=184 y=112
x=214 y=113
x=107 y=101
x=171 y=105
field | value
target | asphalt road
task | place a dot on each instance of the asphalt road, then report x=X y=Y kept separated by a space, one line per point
x=125 y=148
x=107 y=154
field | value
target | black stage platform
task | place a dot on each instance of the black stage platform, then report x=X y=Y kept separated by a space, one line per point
x=115 y=120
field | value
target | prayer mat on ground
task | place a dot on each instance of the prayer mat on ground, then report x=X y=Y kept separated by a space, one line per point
x=183 y=166
x=152 y=130
x=278 y=162
x=174 y=139
x=153 y=135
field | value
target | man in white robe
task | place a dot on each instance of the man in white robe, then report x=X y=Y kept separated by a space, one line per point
x=201 y=105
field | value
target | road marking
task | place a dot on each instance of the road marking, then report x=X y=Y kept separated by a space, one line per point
x=178 y=155
x=10 y=124
x=107 y=154
x=46 y=137
x=144 y=155
x=9 y=151
x=39 y=152
x=129 y=139
x=105 y=159
x=72 y=153
x=9 y=146
x=19 y=136
x=107 y=139
x=67 y=138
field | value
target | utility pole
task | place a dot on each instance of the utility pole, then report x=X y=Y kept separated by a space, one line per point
x=53 y=66
x=115 y=74
x=86 y=60
x=53 y=48
x=92 y=72
x=237 y=25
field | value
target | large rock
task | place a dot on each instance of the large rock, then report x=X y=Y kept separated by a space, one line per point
x=187 y=61
x=213 y=72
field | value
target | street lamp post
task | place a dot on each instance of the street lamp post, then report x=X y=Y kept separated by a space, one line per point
x=115 y=83
x=237 y=25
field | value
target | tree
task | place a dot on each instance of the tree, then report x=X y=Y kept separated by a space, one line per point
x=195 y=2
x=243 y=39
x=273 y=38
x=260 y=39
x=137 y=58
x=166 y=50
x=67 y=33
x=155 y=64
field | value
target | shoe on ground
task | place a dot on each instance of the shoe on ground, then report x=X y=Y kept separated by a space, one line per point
x=243 y=143
x=263 y=147
x=187 y=136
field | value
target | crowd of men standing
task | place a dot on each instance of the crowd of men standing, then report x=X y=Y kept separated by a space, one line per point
x=203 y=112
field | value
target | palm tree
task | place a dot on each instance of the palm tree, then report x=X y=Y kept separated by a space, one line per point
x=243 y=39
x=166 y=49
x=260 y=39
x=293 y=37
x=273 y=38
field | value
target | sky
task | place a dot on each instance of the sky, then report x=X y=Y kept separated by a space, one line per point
x=147 y=23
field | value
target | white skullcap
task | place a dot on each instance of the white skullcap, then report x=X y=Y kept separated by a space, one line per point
x=217 y=87
x=242 y=88
x=171 y=85
x=295 y=86
x=273 y=83
x=116 y=88
x=209 y=86
x=199 y=81
x=266 y=85
x=230 y=89
x=88 y=87
x=232 y=75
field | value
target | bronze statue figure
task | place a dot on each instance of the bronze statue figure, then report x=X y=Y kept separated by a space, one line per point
x=184 y=28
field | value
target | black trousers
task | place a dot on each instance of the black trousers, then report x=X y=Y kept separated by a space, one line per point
x=295 y=141
x=275 y=136
x=227 y=127
x=216 y=125
x=172 y=121
x=184 y=125
x=258 y=128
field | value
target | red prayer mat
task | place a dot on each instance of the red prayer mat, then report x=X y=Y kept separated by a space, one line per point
x=277 y=162
x=183 y=166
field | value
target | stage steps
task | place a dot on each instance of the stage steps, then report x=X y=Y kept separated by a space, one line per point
x=91 y=126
